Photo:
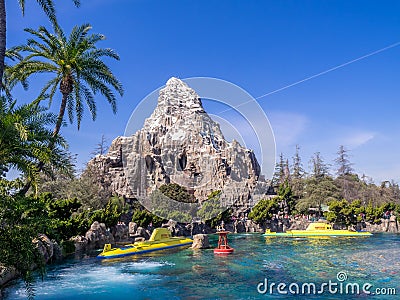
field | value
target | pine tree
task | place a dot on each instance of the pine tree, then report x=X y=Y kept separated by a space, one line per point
x=319 y=167
x=297 y=181
x=101 y=147
x=346 y=180
x=343 y=162
x=281 y=170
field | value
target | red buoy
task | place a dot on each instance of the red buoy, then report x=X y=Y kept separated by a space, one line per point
x=223 y=247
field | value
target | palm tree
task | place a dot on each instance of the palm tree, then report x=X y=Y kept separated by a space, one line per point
x=7 y=85
x=24 y=140
x=48 y=8
x=78 y=69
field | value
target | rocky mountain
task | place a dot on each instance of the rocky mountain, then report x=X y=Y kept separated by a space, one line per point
x=179 y=143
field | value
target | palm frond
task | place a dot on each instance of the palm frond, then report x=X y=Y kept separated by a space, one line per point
x=88 y=96
x=70 y=107
x=76 y=56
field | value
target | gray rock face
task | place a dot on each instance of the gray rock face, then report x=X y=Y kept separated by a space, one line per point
x=179 y=143
x=98 y=236
x=45 y=247
x=386 y=225
x=6 y=274
x=120 y=232
x=200 y=241
x=80 y=243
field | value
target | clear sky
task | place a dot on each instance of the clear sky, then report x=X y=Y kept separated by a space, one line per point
x=261 y=46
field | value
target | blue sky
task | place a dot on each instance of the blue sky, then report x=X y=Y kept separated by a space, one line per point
x=261 y=46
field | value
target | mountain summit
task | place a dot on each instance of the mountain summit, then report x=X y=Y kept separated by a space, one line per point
x=179 y=143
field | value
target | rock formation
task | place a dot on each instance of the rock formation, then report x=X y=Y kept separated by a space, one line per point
x=179 y=143
x=200 y=241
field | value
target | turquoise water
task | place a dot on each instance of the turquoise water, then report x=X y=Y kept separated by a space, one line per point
x=189 y=274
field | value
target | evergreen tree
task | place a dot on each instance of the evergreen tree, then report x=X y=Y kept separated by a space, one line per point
x=319 y=167
x=298 y=171
x=281 y=171
x=318 y=191
x=101 y=147
x=343 y=162
x=347 y=181
x=298 y=174
x=286 y=199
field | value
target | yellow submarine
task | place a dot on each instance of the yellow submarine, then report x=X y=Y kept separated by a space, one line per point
x=160 y=239
x=317 y=229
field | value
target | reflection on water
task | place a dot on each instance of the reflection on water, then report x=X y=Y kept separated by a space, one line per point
x=198 y=274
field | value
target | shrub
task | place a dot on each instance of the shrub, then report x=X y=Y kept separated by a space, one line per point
x=264 y=210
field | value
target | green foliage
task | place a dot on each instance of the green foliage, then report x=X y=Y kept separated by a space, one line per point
x=86 y=188
x=285 y=196
x=76 y=66
x=63 y=209
x=24 y=137
x=168 y=208
x=110 y=214
x=176 y=192
x=64 y=220
x=338 y=212
x=264 y=210
x=143 y=218
x=172 y=202
x=222 y=216
x=59 y=213
x=318 y=190
x=175 y=215
x=22 y=219
x=212 y=212
x=343 y=212
x=211 y=207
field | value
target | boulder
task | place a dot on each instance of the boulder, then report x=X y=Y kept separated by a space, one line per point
x=251 y=226
x=120 y=232
x=98 y=236
x=386 y=225
x=7 y=274
x=80 y=243
x=132 y=228
x=57 y=251
x=45 y=247
x=143 y=233
x=239 y=226
x=200 y=241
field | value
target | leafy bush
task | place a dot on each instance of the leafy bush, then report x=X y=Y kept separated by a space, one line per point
x=264 y=210
x=143 y=218
x=176 y=192
x=211 y=207
x=22 y=219
x=286 y=196
x=343 y=212
x=65 y=221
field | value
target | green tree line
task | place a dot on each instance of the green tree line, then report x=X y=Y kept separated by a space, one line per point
x=350 y=198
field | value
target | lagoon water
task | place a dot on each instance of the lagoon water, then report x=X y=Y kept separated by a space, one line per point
x=257 y=261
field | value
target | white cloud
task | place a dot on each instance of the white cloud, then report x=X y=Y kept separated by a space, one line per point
x=355 y=139
x=287 y=127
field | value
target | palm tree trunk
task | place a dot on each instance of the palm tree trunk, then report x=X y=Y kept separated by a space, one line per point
x=59 y=118
x=2 y=38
